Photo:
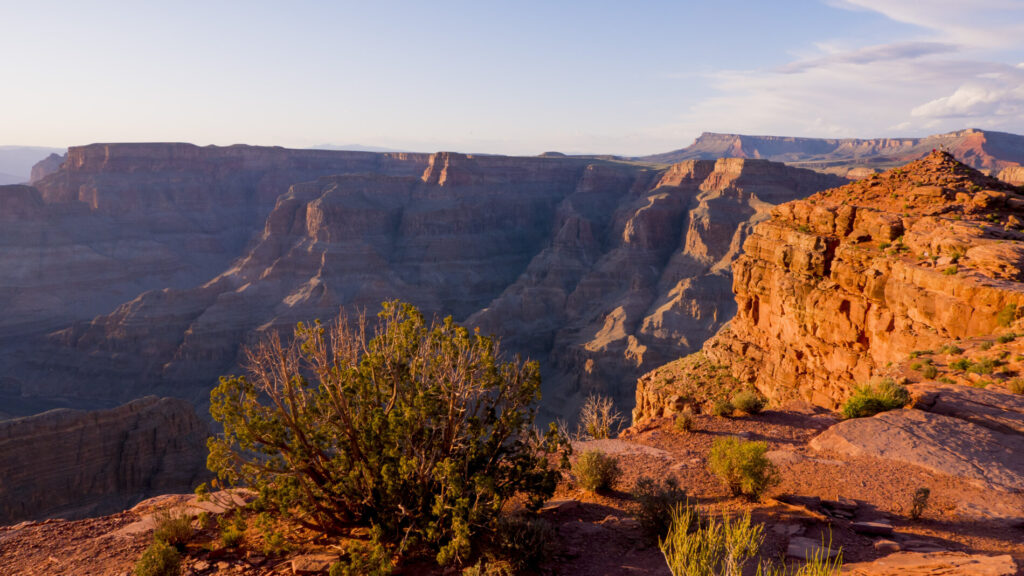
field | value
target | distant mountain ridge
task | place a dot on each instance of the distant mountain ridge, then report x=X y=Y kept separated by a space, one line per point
x=16 y=162
x=993 y=152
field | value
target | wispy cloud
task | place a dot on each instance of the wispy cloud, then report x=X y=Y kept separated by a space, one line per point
x=947 y=74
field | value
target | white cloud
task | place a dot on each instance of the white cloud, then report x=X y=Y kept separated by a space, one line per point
x=933 y=80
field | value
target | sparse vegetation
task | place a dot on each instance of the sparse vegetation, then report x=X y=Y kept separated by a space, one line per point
x=1004 y=338
x=947 y=380
x=1007 y=315
x=985 y=346
x=159 y=559
x=929 y=372
x=919 y=353
x=711 y=548
x=173 y=528
x=1015 y=385
x=983 y=366
x=748 y=401
x=527 y=543
x=962 y=364
x=742 y=466
x=596 y=471
x=951 y=349
x=365 y=559
x=405 y=426
x=599 y=419
x=656 y=501
x=231 y=536
x=950 y=270
x=880 y=395
x=684 y=421
x=919 y=503
x=722 y=408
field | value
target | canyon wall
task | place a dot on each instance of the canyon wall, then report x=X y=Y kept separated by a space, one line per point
x=854 y=157
x=115 y=220
x=844 y=284
x=600 y=269
x=73 y=463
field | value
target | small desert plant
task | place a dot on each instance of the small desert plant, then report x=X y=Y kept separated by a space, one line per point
x=722 y=408
x=742 y=466
x=205 y=520
x=950 y=270
x=231 y=536
x=878 y=396
x=929 y=372
x=684 y=421
x=951 y=349
x=274 y=541
x=985 y=346
x=712 y=548
x=748 y=401
x=595 y=470
x=369 y=559
x=818 y=563
x=175 y=529
x=1016 y=385
x=159 y=559
x=919 y=503
x=947 y=380
x=961 y=364
x=1007 y=315
x=598 y=418
x=983 y=366
x=656 y=502
x=527 y=543
x=1006 y=338
x=919 y=353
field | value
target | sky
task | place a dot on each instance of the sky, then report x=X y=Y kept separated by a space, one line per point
x=511 y=77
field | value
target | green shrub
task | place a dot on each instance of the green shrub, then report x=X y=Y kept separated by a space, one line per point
x=748 y=401
x=527 y=543
x=175 y=529
x=722 y=408
x=919 y=503
x=231 y=536
x=918 y=353
x=947 y=380
x=656 y=501
x=742 y=466
x=1007 y=315
x=159 y=559
x=961 y=364
x=929 y=372
x=951 y=349
x=595 y=470
x=1003 y=339
x=711 y=548
x=369 y=559
x=878 y=396
x=599 y=419
x=985 y=346
x=684 y=421
x=983 y=366
x=950 y=270
x=412 y=427
x=1016 y=385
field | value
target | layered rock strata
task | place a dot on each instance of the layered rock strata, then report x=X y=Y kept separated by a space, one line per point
x=73 y=463
x=602 y=269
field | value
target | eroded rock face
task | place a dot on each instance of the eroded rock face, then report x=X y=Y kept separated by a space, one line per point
x=600 y=268
x=934 y=564
x=836 y=288
x=73 y=463
x=113 y=220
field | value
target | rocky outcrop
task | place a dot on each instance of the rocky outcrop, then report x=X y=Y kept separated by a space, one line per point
x=73 y=463
x=46 y=166
x=854 y=157
x=1014 y=175
x=599 y=268
x=934 y=564
x=838 y=287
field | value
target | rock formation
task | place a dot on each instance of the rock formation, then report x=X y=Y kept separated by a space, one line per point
x=857 y=158
x=73 y=463
x=116 y=220
x=621 y=266
x=920 y=266
x=46 y=166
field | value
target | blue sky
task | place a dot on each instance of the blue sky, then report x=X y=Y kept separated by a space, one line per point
x=505 y=77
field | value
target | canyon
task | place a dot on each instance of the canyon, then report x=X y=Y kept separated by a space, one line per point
x=601 y=269
x=997 y=153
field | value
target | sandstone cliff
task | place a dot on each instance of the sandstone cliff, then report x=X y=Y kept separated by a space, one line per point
x=854 y=157
x=72 y=463
x=846 y=283
x=600 y=268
